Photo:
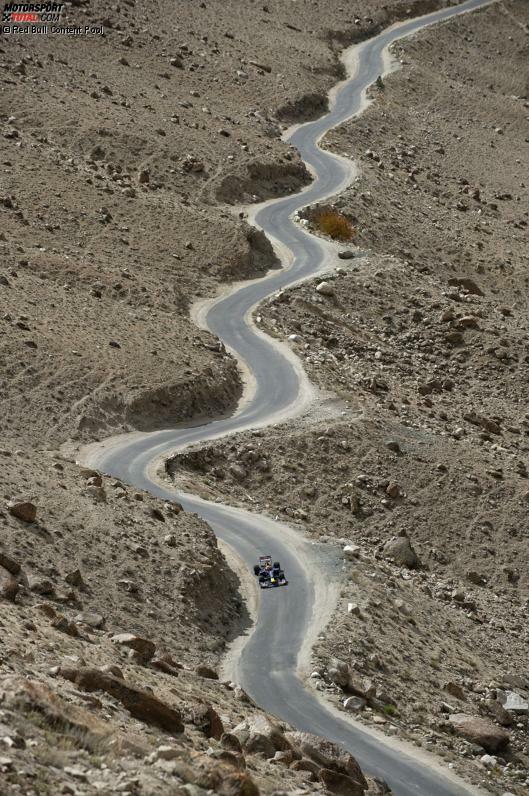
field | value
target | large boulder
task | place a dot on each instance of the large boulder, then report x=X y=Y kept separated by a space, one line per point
x=339 y=673
x=140 y=704
x=400 y=550
x=142 y=649
x=498 y=713
x=9 y=563
x=480 y=731
x=230 y=743
x=327 y=755
x=23 y=510
x=513 y=701
x=208 y=720
x=260 y=734
x=340 y=784
x=207 y=672
x=8 y=585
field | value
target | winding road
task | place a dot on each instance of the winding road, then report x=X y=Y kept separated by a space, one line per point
x=276 y=389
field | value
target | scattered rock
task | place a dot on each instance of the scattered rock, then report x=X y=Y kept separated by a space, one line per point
x=455 y=690
x=355 y=704
x=499 y=713
x=41 y=585
x=23 y=510
x=9 y=563
x=339 y=673
x=325 y=289
x=75 y=578
x=468 y=284
x=352 y=552
x=61 y=623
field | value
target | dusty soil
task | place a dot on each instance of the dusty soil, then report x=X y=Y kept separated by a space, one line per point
x=425 y=342
x=123 y=158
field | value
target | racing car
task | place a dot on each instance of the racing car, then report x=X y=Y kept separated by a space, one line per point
x=270 y=574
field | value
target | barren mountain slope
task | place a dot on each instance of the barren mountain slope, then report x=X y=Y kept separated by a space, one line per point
x=122 y=158
x=425 y=343
x=122 y=155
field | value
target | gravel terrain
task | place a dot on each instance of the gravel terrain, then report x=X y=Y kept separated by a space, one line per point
x=424 y=341
x=123 y=160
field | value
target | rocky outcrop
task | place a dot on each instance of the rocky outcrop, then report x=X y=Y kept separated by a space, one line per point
x=307 y=107
x=400 y=550
x=340 y=784
x=142 y=649
x=262 y=181
x=252 y=255
x=333 y=759
x=260 y=734
x=140 y=704
x=206 y=718
x=213 y=391
x=480 y=731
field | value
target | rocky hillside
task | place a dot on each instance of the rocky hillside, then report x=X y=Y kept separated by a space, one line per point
x=123 y=159
x=422 y=343
x=112 y=633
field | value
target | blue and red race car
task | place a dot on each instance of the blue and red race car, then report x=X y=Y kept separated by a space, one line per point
x=270 y=574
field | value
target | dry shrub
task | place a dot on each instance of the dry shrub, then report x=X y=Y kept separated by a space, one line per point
x=334 y=224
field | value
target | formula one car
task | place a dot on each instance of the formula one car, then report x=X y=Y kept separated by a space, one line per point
x=270 y=574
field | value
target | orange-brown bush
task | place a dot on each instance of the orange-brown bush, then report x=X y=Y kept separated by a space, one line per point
x=334 y=224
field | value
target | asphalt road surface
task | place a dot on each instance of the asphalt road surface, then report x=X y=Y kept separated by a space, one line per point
x=267 y=667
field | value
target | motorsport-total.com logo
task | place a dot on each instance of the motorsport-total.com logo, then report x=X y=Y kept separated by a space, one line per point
x=42 y=19
x=32 y=12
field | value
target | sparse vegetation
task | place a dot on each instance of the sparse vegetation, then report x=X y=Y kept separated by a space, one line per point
x=390 y=710
x=333 y=223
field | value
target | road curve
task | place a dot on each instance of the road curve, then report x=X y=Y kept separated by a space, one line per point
x=278 y=388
